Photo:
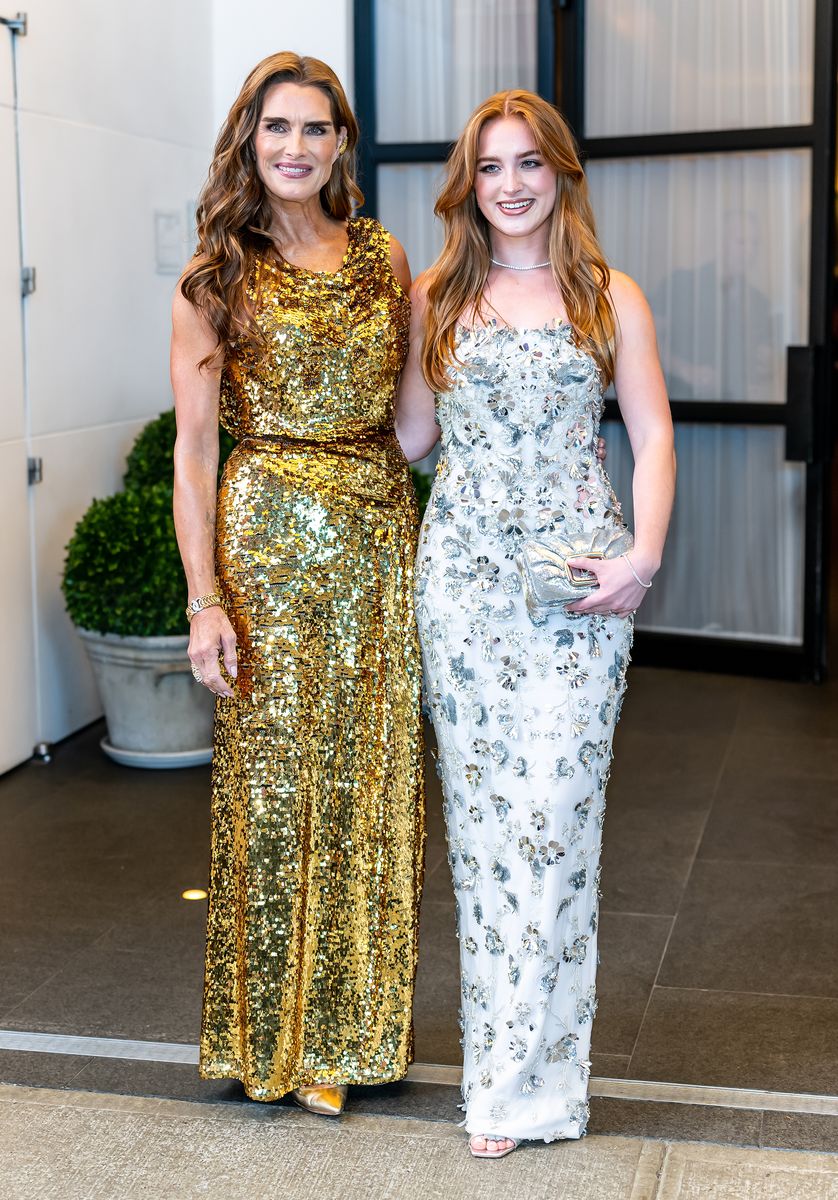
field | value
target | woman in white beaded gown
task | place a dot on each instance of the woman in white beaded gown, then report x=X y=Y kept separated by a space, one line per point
x=517 y=330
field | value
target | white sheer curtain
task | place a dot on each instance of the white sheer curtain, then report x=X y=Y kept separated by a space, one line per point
x=734 y=559
x=655 y=66
x=406 y=197
x=437 y=59
x=720 y=244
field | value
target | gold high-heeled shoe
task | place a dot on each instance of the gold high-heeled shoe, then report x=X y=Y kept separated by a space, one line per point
x=326 y=1101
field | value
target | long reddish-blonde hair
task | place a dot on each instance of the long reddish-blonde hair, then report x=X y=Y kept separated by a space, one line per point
x=457 y=279
x=234 y=213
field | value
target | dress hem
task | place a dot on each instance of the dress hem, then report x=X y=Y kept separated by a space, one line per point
x=505 y=1132
x=256 y=1092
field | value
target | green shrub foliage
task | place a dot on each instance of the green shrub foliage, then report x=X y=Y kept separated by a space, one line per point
x=422 y=483
x=123 y=572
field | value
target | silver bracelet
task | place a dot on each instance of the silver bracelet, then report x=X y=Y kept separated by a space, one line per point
x=634 y=573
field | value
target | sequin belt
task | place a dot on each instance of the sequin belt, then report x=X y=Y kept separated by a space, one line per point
x=355 y=443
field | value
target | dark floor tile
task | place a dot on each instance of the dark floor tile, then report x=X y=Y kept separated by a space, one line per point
x=609 y=1066
x=780 y=1043
x=437 y=998
x=439 y=888
x=166 y=925
x=773 y=819
x=630 y=950
x=170 y=1081
x=800 y=756
x=800 y=1131
x=660 y=793
x=420 y=1101
x=674 y=1122
x=30 y=1069
x=34 y=950
x=646 y=761
x=634 y=880
x=754 y=928
x=681 y=701
x=104 y=992
x=789 y=709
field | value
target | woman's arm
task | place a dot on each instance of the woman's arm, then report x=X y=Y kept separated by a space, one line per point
x=416 y=426
x=196 y=471
x=641 y=393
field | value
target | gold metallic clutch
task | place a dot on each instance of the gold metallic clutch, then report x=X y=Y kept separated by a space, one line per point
x=549 y=580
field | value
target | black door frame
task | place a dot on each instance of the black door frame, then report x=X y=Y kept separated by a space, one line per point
x=806 y=415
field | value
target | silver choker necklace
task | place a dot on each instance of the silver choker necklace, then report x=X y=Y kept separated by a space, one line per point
x=512 y=267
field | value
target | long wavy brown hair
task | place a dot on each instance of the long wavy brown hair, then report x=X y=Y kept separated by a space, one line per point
x=234 y=213
x=457 y=280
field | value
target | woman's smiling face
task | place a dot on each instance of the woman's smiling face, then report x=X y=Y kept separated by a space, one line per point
x=514 y=186
x=296 y=142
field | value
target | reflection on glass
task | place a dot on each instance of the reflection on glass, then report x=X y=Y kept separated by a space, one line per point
x=720 y=245
x=437 y=59
x=733 y=565
x=666 y=66
x=406 y=196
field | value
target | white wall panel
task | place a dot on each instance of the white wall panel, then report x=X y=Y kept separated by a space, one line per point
x=78 y=466
x=250 y=30
x=99 y=321
x=18 y=726
x=11 y=346
x=140 y=68
x=6 y=87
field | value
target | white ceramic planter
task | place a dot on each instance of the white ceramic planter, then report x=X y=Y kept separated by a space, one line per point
x=157 y=715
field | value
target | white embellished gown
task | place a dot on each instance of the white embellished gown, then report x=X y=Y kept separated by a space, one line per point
x=524 y=715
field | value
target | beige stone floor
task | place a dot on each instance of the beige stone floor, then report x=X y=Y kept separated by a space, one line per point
x=88 y=1146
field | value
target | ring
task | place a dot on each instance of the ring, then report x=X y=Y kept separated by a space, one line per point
x=196 y=674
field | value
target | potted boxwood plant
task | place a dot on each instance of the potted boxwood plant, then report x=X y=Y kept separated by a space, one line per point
x=124 y=590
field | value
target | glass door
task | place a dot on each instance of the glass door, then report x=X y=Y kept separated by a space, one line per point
x=420 y=70
x=708 y=133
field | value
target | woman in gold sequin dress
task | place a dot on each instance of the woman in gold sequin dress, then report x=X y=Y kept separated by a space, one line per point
x=291 y=324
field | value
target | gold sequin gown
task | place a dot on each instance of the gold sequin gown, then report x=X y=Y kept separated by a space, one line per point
x=317 y=807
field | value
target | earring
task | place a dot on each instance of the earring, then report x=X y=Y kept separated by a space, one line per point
x=341 y=147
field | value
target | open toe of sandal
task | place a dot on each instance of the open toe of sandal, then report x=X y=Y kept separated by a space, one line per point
x=491 y=1140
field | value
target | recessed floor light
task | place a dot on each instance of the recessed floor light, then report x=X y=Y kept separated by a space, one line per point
x=194 y=894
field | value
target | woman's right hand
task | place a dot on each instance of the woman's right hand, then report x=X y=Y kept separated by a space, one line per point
x=212 y=638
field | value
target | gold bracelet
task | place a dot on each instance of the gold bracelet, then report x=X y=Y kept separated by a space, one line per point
x=213 y=600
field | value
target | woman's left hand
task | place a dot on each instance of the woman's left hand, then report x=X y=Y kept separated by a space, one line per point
x=618 y=593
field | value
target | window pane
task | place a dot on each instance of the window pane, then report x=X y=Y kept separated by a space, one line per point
x=406 y=196
x=720 y=245
x=733 y=565
x=437 y=59
x=665 y=66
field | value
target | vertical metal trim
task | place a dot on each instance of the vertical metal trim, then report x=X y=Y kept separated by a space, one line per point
x=569 y=42
x=800 y=401
x=822 y=261
x=546 y=35
x=365 y=103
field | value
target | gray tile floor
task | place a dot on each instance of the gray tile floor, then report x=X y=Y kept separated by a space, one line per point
x=719 y=910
